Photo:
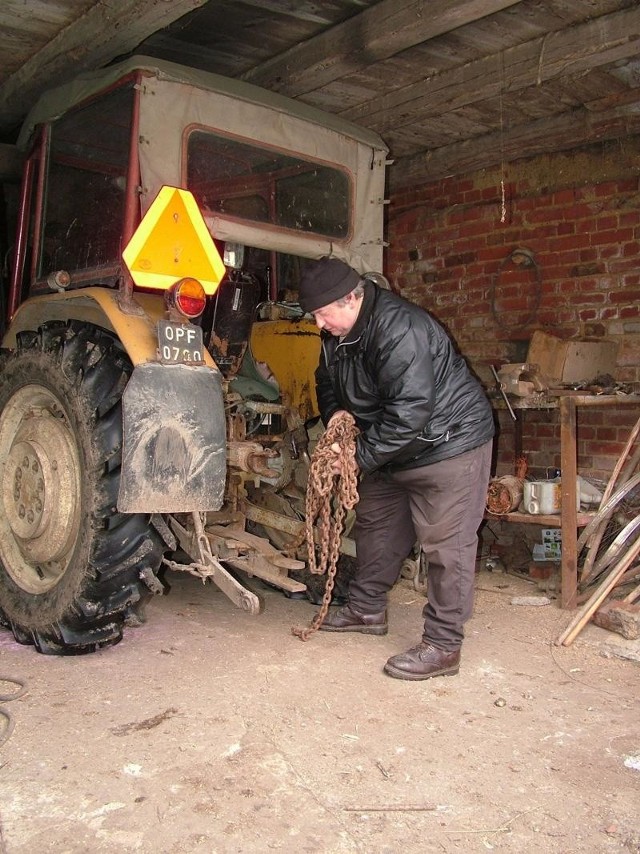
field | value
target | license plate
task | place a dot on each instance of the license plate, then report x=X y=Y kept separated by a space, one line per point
x=180 y=343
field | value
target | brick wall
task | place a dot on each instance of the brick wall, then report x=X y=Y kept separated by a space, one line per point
x=579 y=214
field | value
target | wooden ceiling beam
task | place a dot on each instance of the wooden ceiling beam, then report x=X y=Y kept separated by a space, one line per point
x=381 y=31
x=570 y=51
x=576 y=129
x=105 y=31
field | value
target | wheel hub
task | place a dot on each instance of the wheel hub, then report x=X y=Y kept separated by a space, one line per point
x=40 y=489
x=26 y=468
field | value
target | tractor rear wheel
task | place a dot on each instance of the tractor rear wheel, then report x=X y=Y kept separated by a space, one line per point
x=72 y=569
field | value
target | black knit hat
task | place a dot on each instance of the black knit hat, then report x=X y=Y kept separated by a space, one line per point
x=325 y=281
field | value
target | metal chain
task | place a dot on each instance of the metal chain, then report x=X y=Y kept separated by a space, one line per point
x=328 y=498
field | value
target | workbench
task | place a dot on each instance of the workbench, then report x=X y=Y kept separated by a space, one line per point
x=569 y=520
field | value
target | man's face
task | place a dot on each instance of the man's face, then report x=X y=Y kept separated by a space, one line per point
x=338 y=317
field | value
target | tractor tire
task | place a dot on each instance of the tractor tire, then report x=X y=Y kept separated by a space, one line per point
x=73 y=571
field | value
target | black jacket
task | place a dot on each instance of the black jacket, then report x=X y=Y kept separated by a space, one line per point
x=397 y=372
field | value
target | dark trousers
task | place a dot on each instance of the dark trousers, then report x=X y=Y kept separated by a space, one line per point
x=441 y=506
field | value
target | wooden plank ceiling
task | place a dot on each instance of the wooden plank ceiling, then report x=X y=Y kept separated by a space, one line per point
x=451 y=85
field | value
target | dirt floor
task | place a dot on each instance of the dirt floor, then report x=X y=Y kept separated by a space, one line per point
x=208 y=730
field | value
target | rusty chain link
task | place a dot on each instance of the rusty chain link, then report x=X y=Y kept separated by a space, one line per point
x=328 y=498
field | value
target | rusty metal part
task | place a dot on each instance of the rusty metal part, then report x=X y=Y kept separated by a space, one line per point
x=196 y=543
x=504 y=494
x=521 y=467
x=258 y=464
x=328 y=498
x=415 y=568
x=264 y=407
x=521 y=380
x=254 y=555
x=126 y=302
x=252 y=457
x=287 y=525
x=503 y=393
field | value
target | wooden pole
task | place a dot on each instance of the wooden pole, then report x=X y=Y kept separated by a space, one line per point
x=631 y=597
x=568 y=510
x=601 y=592
x=596 y=538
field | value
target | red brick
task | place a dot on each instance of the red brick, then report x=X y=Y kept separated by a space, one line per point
x=606 y=223
x=564 y=197
x=620 y=235
x=630 y=218
x=632 y=249
x=625 y=296
x=585 y=297
x=565 y=228
x=542 y=569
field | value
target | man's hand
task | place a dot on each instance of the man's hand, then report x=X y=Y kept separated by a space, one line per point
x=339 y=413
x=336 y=465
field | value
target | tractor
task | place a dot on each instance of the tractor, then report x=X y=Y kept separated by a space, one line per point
x=157 y=406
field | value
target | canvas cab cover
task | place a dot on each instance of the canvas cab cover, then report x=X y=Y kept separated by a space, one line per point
x=267 y=171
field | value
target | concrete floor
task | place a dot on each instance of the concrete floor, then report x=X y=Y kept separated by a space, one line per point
x=208 y=730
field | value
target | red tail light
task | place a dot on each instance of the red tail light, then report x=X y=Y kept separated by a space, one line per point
x=188 y=297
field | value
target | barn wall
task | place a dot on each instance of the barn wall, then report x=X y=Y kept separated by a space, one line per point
x=579 y=213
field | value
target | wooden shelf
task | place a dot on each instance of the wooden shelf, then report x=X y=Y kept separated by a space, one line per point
x=569 y=520
x=551 y=400
x=548 y=520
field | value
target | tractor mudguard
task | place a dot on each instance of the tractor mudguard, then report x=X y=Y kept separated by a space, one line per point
x=174 y=454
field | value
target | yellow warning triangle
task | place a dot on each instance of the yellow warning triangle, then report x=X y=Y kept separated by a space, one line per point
x=173 y=242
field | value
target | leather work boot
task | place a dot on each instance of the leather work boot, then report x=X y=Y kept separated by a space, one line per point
x=422 y=662
x=347 y=620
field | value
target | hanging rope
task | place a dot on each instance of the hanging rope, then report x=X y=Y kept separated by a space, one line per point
x=328 y=498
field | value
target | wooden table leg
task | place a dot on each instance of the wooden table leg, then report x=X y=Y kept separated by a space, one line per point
x=569 y=516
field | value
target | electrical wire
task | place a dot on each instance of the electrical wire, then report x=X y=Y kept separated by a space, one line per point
x=528 y=261
x=5 y=713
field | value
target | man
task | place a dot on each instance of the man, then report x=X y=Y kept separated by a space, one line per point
x=424 y=453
